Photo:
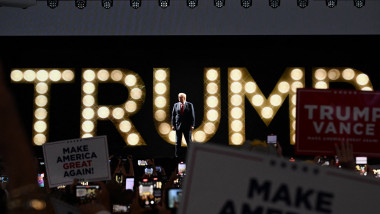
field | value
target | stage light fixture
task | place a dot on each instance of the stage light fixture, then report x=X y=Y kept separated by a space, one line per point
x=52 y=3
x=246 y=3
x=331 y=3
x=80 y=3
x=359 y=3
x=192 y=3
x=164 y=3
x=274 y=3
x=135 y=4
x=219 y=3
x=302 y=3
x=107 y=4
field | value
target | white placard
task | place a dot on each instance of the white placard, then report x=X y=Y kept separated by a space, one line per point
x=272 y=139
x=229 y=181
x=361 y=160
x=85 y=159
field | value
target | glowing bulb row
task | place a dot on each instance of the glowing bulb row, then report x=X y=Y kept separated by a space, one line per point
x=323 y=76
x=42 y=80
x=236 y=101
x=161 y=112
x=242 y=84
x=30 y=75
x=212 y=110
x=119 y=115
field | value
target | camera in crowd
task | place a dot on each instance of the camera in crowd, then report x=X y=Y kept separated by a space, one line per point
x=86 y=193
x=173 y=198
x=121 y=209
x=146 y=193
x=181 y=169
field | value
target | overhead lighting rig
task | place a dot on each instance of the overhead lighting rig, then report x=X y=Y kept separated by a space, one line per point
x=219 y=3
x=192 y=3
x=246 y=3
x=302 y=3
x=52 y=3
x=135 y=4
x=80 y=4
x=331 y=3
x=274 y=3
x=164 y=3
x=107 y=4
x=359 y=3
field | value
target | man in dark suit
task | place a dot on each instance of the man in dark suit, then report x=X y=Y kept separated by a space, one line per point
x=183 y=122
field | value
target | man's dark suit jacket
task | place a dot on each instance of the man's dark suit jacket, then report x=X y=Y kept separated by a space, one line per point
x=186 y=120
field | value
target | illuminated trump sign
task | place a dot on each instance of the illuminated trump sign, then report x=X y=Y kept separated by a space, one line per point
x=241 y=87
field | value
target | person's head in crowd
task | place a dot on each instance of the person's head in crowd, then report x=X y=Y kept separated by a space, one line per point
x=127 y=196
x=115 y=190
x=114 y=161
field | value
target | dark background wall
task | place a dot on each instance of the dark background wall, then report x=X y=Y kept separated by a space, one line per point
x=265 y=57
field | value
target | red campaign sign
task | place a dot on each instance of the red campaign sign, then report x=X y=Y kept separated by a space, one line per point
x=331 y=116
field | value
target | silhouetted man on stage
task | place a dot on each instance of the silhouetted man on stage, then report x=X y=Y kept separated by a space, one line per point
x=183 y=122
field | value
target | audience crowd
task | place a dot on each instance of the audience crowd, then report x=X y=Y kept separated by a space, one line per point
x=21 y=193
x=116 y=196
